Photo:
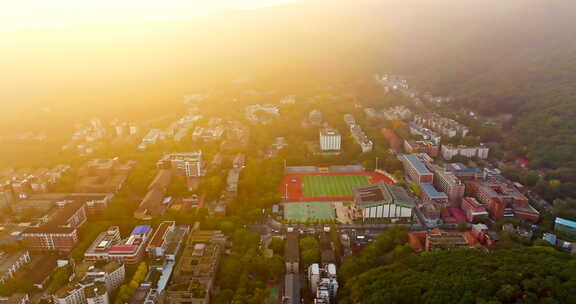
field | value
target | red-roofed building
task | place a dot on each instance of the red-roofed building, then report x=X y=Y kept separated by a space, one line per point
x=473 y=209
x=108 y=246
x=438 y=239
x=502 y=200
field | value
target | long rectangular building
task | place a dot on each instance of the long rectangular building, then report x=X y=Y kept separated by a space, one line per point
x=60 y=234
x=504 y=200
x=416 y=169
x=108 y=246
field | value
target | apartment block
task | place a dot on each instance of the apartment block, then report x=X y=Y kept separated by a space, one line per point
x=60 y=233
x=451 y=185
x=11 y=263
x=189 y=164
x=416 y=169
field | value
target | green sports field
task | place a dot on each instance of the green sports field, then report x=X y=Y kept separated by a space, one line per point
x=300 y=212
x=332 y=185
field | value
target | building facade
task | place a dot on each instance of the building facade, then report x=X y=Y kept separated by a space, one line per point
x=383 y=201
x=451 y=185
x=330 y=139
x=11 y=263
x=416 y=169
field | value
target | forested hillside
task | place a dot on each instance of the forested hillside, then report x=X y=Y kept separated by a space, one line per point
x=388 y=271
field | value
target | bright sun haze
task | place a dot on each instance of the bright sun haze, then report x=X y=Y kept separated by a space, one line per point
x=58 y=13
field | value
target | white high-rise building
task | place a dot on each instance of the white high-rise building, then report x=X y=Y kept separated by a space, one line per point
x=330 y=139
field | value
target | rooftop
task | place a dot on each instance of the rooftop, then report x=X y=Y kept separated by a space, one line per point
x=432 y=192
x=417 y=164
x=159 y=235
x=7 y=260
x=142 y=229
x=382 y=192
x=565 y=222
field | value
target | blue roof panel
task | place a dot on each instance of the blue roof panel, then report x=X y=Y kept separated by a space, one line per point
x=431 y=191
x=141 y=229
x=565 y=222
x=416 y=163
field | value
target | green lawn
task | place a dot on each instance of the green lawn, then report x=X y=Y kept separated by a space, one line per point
x=325 y=185
x=300 y=212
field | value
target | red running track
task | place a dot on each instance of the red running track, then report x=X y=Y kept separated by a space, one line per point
x=295 y=193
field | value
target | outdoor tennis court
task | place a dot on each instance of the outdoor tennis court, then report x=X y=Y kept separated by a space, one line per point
x=300 y=212
x=332 y=185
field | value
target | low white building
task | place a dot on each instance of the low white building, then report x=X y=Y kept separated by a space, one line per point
x=330 y=139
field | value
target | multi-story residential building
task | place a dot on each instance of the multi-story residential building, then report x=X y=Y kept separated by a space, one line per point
x=330 y=139
x=464 y=173
x=189 y=164
x=426 y=134
x=112 y=274
x=109 y=247
x=43 y=203
x=451 y=185
x=502 y=200
x=193 y=278
x=92 y=285
x=450 y=151
x=11 y=263
x=59 y=234
x=397 y=113
x=95 y=203
x=445 y=126
x=473 y=209
x=421 y=146
x=360 y=137
x=383 y=201
x=416 y=169
x=166 y=241
x=323 y=282
x=429 y=193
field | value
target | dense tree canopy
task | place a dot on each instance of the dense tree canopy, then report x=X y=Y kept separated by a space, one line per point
x=522 y=275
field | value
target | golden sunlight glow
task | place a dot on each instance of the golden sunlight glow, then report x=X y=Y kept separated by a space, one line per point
x=61 y=13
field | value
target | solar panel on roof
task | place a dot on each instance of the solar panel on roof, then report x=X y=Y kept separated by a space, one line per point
x=418 y=165
x=141 y=229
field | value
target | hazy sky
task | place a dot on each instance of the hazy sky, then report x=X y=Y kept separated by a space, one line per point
x=63 y=13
